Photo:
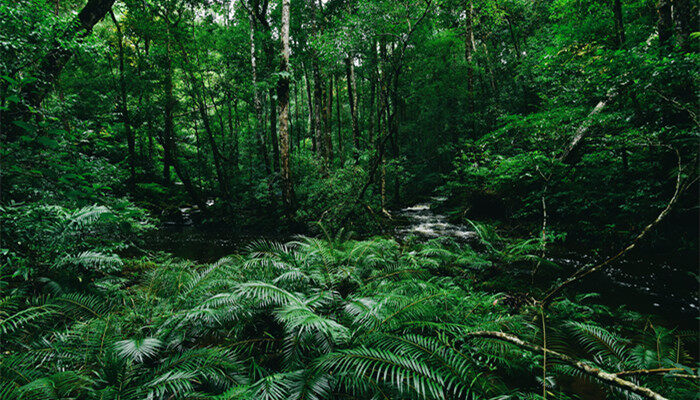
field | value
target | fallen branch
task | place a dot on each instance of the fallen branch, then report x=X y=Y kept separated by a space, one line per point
x=608 y=378
x=657 y=371
x=583 y=129
x=587 y=271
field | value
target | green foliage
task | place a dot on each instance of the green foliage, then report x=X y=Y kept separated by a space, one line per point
x=155 y=108
x=68 y=245
x=308 y=319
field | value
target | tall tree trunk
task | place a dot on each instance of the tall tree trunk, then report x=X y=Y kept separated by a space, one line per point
x=489 y=68
x=297 y=106
x=283 y=106
x=260 y=126
x=664 y=23
x=619 y=26
x=234 y=132
x=394 y=132
x=320 y=104
x=273 y=132
x=328 y=118
x=198 y=89
x=372 y=93
x=318 y=107
x=383 y=120
x=513 y=37
x=686 y=22
x=352 y=100
x=469 y=49
x=337 y=119
x=310 y=125
x=168 y=138
x=168 y=127
x=126 y=121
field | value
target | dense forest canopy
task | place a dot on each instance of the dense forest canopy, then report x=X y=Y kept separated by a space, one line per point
x=512 y=133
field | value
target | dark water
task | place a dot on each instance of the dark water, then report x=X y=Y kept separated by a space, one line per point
x=663 y=285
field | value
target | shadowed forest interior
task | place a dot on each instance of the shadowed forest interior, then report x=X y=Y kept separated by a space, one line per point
x=349 y=199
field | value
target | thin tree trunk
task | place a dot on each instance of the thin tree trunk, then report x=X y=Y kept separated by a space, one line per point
x=394 y=132
x=310 y=125
x=328 y=118
x=337 y=115
x=168 y=139
x=260 y=126
x=130 y=139
x=664 y=24
x=352 y=100
x=686 y=23
x=274 y=142
x=168 y=128
x=199 y=97
x=283 y=98
x=489 y=67
x=234 y=132
x=383 y=121
x=582 y=130
x=297 y=105
x=513 y=37
x=318 y=107
x=469 y=49
x=619 y=26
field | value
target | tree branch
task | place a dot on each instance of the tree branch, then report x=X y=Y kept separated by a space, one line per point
x=608 y=378
x=589 y=270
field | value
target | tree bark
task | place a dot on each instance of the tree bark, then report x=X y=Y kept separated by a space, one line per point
x=311 y=116
x=234 y=132
x=469 y=49
x=337 y=119
x=352 y=100
x=619 y=26
x=664 y=23
x=318 y=107
x=686 y=23
x=56 y=59
x=259 y=128
x=582 y=130
x=283 y=107
x=328 y=118
x=126 y=121
x=513 y=37
x=274 y=141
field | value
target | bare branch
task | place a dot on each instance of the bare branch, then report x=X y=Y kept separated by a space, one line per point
x=608 y=378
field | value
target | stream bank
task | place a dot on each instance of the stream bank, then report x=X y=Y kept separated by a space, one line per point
x=659 y=284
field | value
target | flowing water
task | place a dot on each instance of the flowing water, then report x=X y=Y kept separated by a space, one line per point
x=422 y=222
x=665 y=285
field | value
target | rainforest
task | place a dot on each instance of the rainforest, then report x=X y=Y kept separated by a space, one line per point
x=349 y=199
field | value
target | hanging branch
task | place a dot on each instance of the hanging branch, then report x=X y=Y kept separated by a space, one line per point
x=583 y=272
x=608 y=378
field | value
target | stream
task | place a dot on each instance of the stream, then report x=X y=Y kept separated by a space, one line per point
x=663 y=285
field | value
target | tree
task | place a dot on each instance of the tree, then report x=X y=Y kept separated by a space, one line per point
x=283 y=109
